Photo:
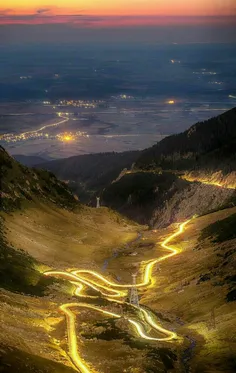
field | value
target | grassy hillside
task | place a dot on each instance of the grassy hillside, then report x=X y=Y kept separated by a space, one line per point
x=62 y=239
x=19 y=271
x=36 y=238
x=41 y=217
x=44 y=227
x=221 y=231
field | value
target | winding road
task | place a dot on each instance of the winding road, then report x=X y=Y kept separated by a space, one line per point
x=23 y=135
x=85 y=278
x=45 y=127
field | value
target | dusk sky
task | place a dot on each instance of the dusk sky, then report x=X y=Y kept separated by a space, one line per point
x=57 y=20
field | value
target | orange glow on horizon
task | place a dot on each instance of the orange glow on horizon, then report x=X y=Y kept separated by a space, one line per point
x=55 y=11
x=123 y=7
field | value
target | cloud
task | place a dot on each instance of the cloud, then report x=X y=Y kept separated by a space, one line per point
x=43 y=10
x=48 y=16
x=6 y=11
x=39 y=16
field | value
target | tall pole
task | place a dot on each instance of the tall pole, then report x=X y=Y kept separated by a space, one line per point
x=133 y=296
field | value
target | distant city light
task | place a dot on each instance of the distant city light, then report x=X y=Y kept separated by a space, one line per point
x=68 y=138
x=171 y=102
x=174 y=61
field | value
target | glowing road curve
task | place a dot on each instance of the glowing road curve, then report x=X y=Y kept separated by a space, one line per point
x=111 y=291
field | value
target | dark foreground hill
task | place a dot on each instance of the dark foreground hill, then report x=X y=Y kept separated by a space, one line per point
x=190 y=173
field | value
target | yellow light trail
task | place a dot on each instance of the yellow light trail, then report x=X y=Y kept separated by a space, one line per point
x=208 y=182
x=71 y=276
x=44 y=127
x=24 y=134
x=192 y=179
x=150 y=320
x=148 y=268
x=72 y=338
x=76 y=279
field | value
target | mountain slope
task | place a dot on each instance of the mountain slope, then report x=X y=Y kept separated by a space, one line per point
x=206 y=145
x=196 y=167
x=159 y=199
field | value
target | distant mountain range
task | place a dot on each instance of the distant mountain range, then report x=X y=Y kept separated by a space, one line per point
x=89 y=174
x=29 y=161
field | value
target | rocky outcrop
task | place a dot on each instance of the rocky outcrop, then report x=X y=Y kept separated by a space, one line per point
x=196 y=198
x=214 y=178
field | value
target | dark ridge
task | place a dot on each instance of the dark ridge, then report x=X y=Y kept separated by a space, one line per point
x=206 y=145
x=29 y=161
x=90 y=173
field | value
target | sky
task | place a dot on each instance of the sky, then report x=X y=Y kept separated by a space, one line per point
x=20 y=19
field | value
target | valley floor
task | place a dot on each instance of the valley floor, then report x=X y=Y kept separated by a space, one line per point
x=188 y=294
